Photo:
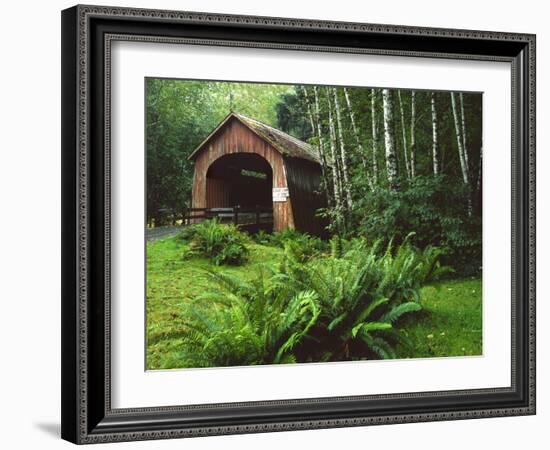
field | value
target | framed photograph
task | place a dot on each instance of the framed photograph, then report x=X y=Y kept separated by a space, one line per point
x=281 y=224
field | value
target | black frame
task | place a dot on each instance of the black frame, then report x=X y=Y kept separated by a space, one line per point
x=87 y=31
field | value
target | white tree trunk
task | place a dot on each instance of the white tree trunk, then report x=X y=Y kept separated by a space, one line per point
x=413 y=134
x=464 y=140
x=459 y=141
x=404 y=133
x=435 y=137
x=334 y=163
x=389 y=139
x=459 y=124
x=360 y=149
x=374 y=137
x=313 y=113
x=352 y=120
x=309 y=111
x=322 y=150
x=343 y=156
x=480 y=169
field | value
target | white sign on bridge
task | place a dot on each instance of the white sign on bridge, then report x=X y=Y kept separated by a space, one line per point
x=280 y=194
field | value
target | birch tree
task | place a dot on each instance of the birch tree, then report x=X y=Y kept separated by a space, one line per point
x=413 y=134
x=335 y=164
x=389 y=139
x=435 y=137
x=464 y=140
x=343 y=155
x=404 y=133
x=315 y=121
x=324 y=159
x=359 y=145
x=374 y=137
x=479 y=170
x=459 y=140
x=308 y=108
x=460 y=128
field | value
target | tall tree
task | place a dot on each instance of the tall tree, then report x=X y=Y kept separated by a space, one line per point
x=343 y=153
x=374 y=137
x=479 y=170
x=435 y=137
x=314 y=115
x=404 y=133
x=389 y=139
x=464 y=140
x=359 y=145
x=460 y=140
x=460 y=128
x=336 y=178
x=303 y=91
x=413 y=134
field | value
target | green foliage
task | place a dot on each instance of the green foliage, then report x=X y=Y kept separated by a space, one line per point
x=180 y=114
x=301 y=245
x=222 y=243
x=397 y=311
x=362 y=295
x=244 y=323
x=450 y=323
x=174 y=122
x=261 y=237
x=434 y=208
x=291 y=118
x=194 y=304
x=290 y=297
x=340 y=246
x=328 y=308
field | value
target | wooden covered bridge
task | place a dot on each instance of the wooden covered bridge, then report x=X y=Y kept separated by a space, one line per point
x=246 y=166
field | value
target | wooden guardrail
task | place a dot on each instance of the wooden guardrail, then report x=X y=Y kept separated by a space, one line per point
x=236 y=215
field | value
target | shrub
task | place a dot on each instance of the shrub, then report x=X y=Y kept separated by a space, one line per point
x=331 y=308
x=245 y=323
x=221 y=243
x=362 y=295
x=435 y=209
x=302 y=245
x=261 y=237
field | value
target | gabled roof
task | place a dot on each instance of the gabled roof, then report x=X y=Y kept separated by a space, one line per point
x=284 y=143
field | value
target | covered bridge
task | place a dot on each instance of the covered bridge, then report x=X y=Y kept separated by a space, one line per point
x=247 y=164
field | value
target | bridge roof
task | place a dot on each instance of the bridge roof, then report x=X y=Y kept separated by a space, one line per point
x=283 y=142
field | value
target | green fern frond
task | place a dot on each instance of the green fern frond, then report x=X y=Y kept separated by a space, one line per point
x=366 y=327
x=397 y=311
x=335 y=322
x=382 y=348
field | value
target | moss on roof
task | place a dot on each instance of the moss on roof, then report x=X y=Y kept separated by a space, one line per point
x=284 y=143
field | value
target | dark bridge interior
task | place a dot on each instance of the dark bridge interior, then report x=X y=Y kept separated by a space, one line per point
x=239 y=179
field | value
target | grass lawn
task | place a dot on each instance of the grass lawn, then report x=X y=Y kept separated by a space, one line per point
x=449 y=324
x=172 y=280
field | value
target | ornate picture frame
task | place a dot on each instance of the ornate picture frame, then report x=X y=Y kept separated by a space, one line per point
x=87 y=35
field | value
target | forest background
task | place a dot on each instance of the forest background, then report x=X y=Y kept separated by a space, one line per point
x=394 y=162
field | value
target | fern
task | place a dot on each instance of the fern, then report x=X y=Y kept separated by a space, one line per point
x=361 y=292
x=245 y=323
x=222 y=243
x=332 y=307
x=397 y=311
x=365 y=327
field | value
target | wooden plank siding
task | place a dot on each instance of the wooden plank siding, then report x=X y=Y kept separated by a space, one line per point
x=304 y=183
x=217 y=194
x=233 y=138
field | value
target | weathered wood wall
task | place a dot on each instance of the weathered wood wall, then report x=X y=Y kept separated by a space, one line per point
x=234 y=137
x=217 y=194
x=304 y=183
